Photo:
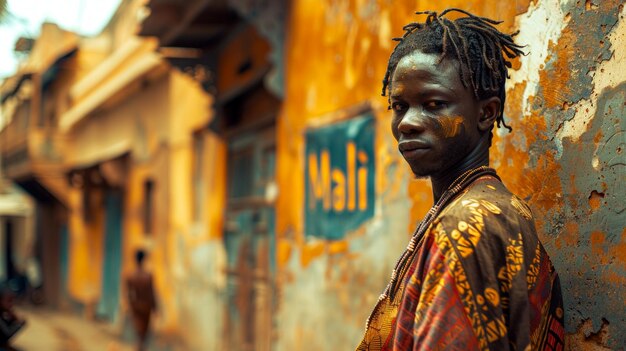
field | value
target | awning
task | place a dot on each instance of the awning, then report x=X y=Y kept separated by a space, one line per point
x=14 y=205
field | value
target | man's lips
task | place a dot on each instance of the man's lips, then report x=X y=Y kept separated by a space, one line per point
x=412 y=148
x=411 y=145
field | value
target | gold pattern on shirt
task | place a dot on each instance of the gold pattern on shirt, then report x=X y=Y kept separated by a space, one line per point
x=462 y=285
x=457 y=242
x=381 y=324
x=496 y=328
x=521 y=207
x=433 y=283
x=514 y=262
x=533 y=269
x=492 y=296
x=467 y=235
x=491 y=207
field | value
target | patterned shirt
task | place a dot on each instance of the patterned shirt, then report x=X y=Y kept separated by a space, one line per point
x=480 y=280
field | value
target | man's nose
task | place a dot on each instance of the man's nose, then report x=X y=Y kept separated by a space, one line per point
x=412 y=122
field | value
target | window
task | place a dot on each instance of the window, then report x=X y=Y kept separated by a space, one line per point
x=148 y=204
x=241 y=173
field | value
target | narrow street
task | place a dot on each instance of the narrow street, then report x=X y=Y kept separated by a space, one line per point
x=56 y=331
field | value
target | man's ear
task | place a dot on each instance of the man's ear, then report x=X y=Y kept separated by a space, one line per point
x=489 y=112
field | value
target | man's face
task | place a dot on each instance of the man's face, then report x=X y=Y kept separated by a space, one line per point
x=435 y=118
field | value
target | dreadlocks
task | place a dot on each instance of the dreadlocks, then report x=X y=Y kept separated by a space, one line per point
x=473 y=41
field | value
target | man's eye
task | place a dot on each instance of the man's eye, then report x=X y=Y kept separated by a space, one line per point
x=435 y=104
x=396 y=106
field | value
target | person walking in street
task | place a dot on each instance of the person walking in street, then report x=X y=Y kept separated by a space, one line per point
x=141 y=299
x=10 y=323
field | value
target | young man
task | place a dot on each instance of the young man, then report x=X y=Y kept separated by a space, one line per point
x=474 y=275
x=141 y=299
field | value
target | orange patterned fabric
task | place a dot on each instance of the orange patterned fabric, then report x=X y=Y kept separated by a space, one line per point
x=481 y=280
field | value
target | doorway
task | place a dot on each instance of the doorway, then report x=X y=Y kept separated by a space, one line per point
x=108 y=306
x=11 y=272
x=249 y=240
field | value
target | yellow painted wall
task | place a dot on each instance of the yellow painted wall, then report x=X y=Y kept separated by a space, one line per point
x=336 y=58
x=86 y=249
x=193 y=253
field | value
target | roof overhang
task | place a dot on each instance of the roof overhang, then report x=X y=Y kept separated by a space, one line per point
x=132 y=62
x=189 y=23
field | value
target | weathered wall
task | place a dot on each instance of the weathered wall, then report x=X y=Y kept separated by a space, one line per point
x=571 y=95
x=566 y=106
x=192 y=252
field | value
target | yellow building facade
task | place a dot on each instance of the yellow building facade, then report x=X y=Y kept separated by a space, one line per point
x=139 y=165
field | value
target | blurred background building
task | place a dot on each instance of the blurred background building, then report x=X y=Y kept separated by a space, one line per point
x=244 y=144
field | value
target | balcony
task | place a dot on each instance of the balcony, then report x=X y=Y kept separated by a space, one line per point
x=30 y=151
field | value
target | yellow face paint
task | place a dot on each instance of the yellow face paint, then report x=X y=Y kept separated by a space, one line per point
x=450 y=126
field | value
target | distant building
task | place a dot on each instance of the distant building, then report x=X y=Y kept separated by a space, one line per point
x=32 y=150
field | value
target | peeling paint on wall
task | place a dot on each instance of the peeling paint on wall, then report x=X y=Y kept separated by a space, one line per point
x=572 y=122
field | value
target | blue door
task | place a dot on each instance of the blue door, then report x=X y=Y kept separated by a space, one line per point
x=112 y=265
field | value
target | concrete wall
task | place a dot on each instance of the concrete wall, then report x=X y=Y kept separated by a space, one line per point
x=565 y=157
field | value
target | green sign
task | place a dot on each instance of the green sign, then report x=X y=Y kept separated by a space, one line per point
x=340 y=187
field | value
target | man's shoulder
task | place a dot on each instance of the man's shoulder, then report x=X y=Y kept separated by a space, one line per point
x=488 y=196
x=487 y=220
x=489 y=210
